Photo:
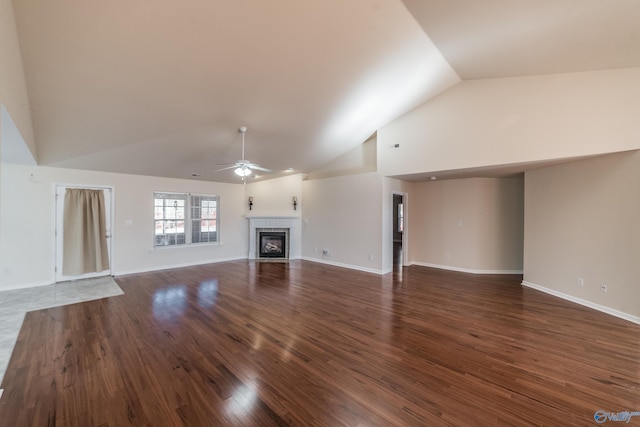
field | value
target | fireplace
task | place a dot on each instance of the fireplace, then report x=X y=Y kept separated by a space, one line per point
x=273 y=244
x=277 y=247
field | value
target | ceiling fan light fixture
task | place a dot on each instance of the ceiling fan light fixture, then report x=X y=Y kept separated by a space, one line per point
x=242 y=171
x=243 y=168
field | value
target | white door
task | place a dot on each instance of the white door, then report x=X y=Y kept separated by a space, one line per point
x=60 y=193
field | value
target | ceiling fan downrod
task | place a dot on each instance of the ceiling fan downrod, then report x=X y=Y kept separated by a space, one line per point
x=242 y=170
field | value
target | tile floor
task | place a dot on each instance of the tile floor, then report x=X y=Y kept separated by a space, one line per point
x=16 y=303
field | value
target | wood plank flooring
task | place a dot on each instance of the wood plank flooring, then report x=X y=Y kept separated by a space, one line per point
x=287 y=344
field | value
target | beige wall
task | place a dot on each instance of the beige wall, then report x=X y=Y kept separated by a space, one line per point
x=27 y=247
x=274 y=197
x=473 y=225
x=581 y=221
x=500 y=203
x=344 y=208
x=361 y=159
x=491 y=122
x=344 y=216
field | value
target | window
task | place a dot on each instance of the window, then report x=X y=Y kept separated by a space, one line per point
x=204 y=213
x=169 y=219
x=185 y=219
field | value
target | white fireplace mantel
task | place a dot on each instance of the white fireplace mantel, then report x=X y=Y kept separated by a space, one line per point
x=290 y=222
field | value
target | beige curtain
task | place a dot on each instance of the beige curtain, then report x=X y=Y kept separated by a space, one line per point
x=85 y=232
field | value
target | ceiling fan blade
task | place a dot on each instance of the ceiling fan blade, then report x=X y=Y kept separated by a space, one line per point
x=226 y=168
x=259 y=168
x=243 y=165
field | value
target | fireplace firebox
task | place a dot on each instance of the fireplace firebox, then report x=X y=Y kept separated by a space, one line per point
x=273 y=244
x=263 y=224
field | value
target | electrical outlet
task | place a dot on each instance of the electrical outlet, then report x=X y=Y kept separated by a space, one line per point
x=580 y=282
x=603 y=288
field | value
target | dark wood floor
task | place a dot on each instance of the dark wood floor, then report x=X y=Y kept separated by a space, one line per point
x=259 y=344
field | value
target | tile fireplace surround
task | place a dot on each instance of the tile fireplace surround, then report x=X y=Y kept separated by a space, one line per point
x=276 y=222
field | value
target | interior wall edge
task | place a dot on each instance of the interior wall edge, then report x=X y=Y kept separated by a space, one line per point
x=465 y=270
x=349 y=266
x=583 y=302
x=174 y=266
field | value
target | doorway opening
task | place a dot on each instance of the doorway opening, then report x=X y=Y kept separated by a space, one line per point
x=399 y=229
x=106 y=227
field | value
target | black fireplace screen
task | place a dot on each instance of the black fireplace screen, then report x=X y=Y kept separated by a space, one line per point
x=273 y=244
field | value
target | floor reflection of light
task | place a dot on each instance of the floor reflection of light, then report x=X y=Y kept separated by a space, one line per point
x=286 y=351
x=257 y=342
x=169 y=302
x=207 y=293
x=242 y=401
x=398 y=273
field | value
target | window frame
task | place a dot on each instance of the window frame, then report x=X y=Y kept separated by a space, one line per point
x=188 y=219
x=215 y=218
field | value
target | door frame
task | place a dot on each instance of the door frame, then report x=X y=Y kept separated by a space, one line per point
x=58 y=231
x=405 y=232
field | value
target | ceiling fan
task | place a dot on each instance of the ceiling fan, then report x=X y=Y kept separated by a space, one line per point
x=244 y=167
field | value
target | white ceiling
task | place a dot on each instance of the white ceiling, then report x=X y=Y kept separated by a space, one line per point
x=505 y=38
x=161 y=88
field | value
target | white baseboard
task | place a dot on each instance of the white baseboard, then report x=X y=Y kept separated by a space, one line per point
x=170 y=266
x=25 y=286
x=465 y=270
x=124 y=272
x=593 y=305
x=350 y=266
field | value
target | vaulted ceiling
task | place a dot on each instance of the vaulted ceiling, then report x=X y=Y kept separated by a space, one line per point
x=161 y=88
